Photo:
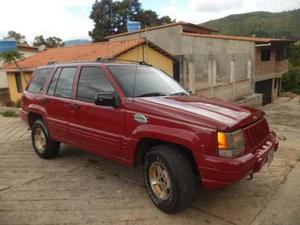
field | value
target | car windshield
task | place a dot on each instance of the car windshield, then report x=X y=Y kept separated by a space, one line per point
x=143 y=81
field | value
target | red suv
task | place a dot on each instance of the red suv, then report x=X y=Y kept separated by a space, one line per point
x=136 y=114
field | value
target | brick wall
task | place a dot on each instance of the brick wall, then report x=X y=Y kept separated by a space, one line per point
x=269 y=67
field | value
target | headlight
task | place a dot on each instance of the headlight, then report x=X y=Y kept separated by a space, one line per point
x=231 y=144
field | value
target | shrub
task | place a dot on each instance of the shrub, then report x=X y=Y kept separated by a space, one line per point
x=10 y=113
x=291 y=80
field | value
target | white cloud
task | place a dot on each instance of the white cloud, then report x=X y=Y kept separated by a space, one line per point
x=50 y=18
x=69 y=19
x=216 y=5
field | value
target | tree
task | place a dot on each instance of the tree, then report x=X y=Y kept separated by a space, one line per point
x=50 y=42
x=294 y=55
x=102 y=15
x=291 y=79
x=19 y=38
x=111 y=17
x=148 y=18
x=12 y=57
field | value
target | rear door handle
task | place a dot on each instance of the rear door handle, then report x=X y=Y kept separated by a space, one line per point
x=44 y=99
x=75 y=106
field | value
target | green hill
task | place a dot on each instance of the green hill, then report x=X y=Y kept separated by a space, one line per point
x=262 y=24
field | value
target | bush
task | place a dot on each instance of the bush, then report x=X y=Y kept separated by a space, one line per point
x=10 y=113
x=291 y=80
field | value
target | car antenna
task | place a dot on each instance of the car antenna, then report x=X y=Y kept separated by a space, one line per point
x=135 y=74
x=141 y=63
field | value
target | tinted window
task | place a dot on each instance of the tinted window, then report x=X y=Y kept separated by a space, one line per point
x=39 y=79
x=92 y=81
x=53 y=83
x=65 y=82
x=142 y=80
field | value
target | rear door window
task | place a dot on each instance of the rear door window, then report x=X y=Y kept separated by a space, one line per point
x=39 y=79
x=62 y=82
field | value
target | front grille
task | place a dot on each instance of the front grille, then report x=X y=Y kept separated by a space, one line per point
x=255 y=134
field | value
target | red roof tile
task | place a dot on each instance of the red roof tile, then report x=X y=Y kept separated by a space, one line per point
x=87 y=52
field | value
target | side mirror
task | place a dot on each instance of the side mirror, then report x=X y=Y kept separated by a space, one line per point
x=106 y=99
x=189 y=91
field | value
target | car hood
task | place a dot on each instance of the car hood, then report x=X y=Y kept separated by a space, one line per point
x=214 y=113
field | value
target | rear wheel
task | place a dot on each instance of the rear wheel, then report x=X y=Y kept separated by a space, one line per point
x=169 y=178
x=42 y=142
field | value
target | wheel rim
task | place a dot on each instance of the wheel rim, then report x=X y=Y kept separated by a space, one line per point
x=39 y=140
x=160 y=180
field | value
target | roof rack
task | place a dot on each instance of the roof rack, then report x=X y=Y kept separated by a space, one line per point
x=106 y=60
x=103 y=60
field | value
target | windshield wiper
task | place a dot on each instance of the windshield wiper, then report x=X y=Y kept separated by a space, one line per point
x=153 y=94
x=182 y=93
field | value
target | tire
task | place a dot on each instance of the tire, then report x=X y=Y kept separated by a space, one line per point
x=176 y=193
x=42 y=142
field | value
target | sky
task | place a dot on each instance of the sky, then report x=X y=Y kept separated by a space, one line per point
x=69 y=19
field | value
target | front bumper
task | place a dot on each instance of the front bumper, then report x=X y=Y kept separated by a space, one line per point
x=217 y=172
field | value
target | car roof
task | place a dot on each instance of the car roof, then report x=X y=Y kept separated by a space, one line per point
x=70 y=64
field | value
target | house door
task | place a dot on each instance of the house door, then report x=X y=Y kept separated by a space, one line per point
x=265 y=88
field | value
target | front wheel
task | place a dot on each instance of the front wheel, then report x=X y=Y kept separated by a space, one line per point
x=169 y=179
x=42 y=142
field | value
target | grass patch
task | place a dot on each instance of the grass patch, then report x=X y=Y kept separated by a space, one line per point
x=10 y=113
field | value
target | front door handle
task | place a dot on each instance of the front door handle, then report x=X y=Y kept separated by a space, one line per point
x=75 y=106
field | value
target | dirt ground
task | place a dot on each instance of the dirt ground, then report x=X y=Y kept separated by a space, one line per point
x=79 y=188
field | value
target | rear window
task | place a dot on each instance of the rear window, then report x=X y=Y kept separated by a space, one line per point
x=39 y=79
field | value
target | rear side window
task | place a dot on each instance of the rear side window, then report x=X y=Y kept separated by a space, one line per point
x=92 y=81
x=62 y=82
x=39 y=80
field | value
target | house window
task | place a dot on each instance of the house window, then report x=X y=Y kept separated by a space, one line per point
x=281 y=53
x=265 y=54
x=19 y=82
